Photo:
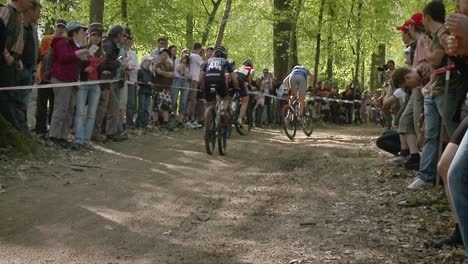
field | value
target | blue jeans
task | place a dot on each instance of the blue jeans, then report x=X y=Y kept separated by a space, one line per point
x=433 y=111
x=177 y=84
x=116 y=88
x=131 y=105
x=144 y=101
x=458 y=186
x=84 y=118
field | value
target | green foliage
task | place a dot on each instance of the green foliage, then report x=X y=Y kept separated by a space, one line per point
x=249 y=30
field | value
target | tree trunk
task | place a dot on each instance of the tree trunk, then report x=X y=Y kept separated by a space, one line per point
x=124 y=6
x=189 y=31
x=330 y=42
x=281 y=37
x=17 y=143
x=211 y=18
x=293 y=59
x=373 y=73
x=359 y=41
x=319 y=39
x=363 y=76
x=222 y=25
x=96 y=11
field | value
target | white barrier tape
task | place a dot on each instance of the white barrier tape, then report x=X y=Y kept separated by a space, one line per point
x=54 y=85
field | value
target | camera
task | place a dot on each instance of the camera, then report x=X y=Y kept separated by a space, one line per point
x=186 y=58
x=383 y=67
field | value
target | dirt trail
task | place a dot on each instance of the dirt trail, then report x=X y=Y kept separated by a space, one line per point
x=159 y=198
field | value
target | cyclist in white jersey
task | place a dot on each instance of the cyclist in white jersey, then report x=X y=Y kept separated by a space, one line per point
x=297 y=80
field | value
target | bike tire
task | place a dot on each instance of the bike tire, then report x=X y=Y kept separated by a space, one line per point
x=210 y=130
x=309 y=121
x=222 y=140
x=289 y=122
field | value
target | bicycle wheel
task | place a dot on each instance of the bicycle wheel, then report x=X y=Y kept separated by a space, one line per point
x=222 y=139
x=308 y=126
x=289 y=122
x=210 y=130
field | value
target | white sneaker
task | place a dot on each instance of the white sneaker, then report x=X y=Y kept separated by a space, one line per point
x=419 y=184
x=196 y=125
x=189 y=125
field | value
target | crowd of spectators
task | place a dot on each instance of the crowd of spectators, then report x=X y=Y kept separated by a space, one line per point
x=428 y=105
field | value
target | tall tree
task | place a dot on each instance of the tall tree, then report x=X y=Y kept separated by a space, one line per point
x=331 y=21
x=211 y=17
x=189 y=26
x=293 y=57
x=222 y=25
x=358 y=42
x=281 y=37
x=124 y=6
x=96 y=11
x=319 y=39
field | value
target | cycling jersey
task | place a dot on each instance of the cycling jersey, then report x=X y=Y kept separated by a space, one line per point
x=243 y=73
x=300 y=70
x=215 y=70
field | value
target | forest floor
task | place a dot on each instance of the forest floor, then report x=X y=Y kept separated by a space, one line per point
x=159 y=198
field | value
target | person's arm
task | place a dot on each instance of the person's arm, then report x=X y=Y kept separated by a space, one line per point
x=434 y=55
x=389 y=102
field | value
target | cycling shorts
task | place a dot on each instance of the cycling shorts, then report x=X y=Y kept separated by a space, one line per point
x=215 y=85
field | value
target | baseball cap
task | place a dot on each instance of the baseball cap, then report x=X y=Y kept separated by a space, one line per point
x=146 y=58
x=95 y=28
x=405 y=26
x=417 y=19
x=61 y=22
x=74 y=25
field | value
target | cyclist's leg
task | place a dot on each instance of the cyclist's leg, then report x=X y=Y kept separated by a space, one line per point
x=302 y=95
x=294 y=87
x=209 y=96
x=244 y=93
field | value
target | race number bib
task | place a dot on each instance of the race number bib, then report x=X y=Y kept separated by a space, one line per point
x=215 y=65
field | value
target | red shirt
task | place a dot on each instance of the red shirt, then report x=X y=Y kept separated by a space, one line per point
x=65 y=62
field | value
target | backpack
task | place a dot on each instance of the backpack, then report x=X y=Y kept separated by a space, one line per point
x=47 y=62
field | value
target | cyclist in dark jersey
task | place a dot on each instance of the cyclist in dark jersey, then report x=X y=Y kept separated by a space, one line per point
x=214 y=77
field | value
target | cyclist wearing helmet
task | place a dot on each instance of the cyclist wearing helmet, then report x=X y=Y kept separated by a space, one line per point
x=214 y=76
x=297 y=80
x=244 y=76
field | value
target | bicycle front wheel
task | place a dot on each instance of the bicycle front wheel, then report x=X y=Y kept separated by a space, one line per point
x=308 y=125
x=289 y=122
x=210 y=130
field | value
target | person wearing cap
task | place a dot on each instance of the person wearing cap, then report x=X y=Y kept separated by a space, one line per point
x=67 y=53
x=88 y=95
x=146 y=81
x=131 y=74
x=109 y=102
x=45 y=96
x=11 y=48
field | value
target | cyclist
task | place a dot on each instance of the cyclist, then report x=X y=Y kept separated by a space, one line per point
x=297 y=80
x=244 y=76
x=214 y=76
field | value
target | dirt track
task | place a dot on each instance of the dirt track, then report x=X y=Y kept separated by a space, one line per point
x=159 y=198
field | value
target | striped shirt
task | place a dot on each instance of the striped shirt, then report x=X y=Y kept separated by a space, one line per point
x=5 y=14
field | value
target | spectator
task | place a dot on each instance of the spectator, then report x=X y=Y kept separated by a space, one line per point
x=88 y=94
x=162 y=43
x=181 y=84
x=108 y=103
x=11 y=45
x=66 y=54
x=131 y=75
x=266 y=86
x=434 y=19
x=146 y=81
x=45 y=96
x=195 y=67
x=28 y=73
x=164 y=76
x=172 y=54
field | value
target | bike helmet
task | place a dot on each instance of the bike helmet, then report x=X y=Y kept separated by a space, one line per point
x=220 y=51
x=248 y=62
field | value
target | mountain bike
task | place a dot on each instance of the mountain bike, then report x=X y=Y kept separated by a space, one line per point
x=291 y=118
x=214 y=129
x=234 y=111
